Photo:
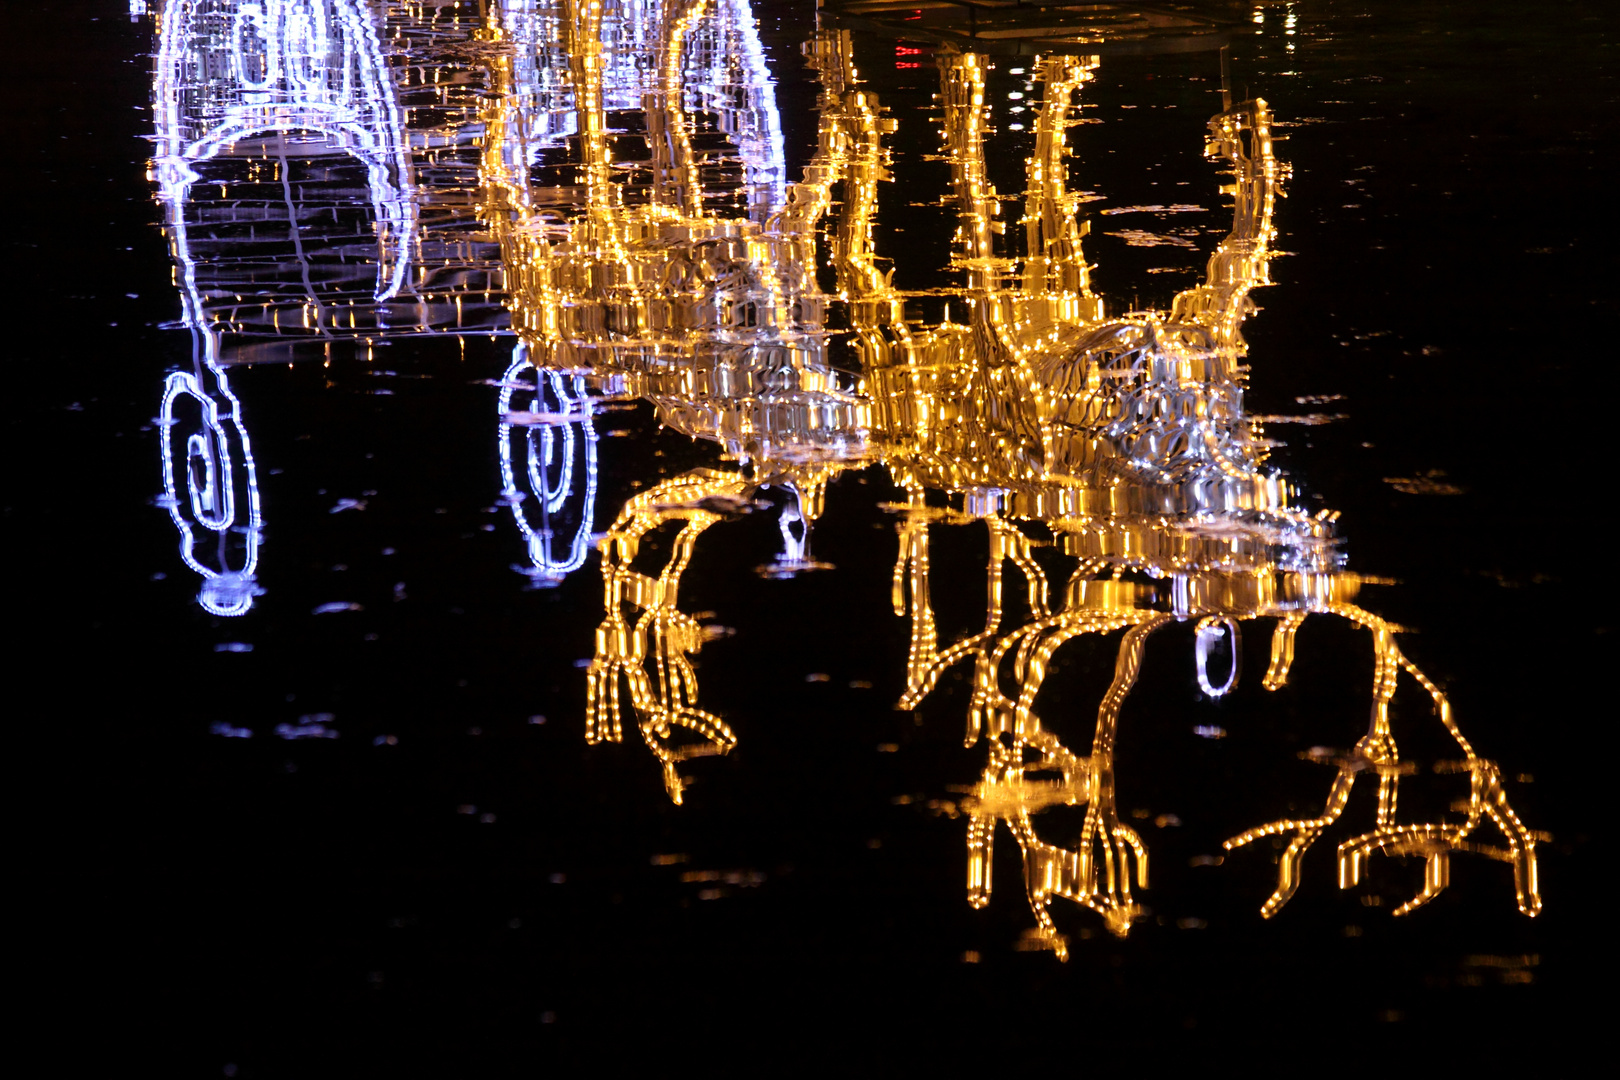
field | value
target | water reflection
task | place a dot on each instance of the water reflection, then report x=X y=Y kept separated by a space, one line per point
x=628 y=167
x=1118 y=442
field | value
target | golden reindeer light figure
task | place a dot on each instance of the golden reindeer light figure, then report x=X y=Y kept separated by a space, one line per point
x=1119 y=441
x=1126 y=438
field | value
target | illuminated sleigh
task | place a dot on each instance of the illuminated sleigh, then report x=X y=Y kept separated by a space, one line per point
x=1126 y=439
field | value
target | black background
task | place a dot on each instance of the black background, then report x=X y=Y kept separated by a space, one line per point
x=308 y=909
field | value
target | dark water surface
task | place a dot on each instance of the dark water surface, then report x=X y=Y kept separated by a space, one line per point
x=322 y=803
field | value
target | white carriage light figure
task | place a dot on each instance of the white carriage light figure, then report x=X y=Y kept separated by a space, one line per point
x=548 y=445
x=227 y=71
x=1126 y=437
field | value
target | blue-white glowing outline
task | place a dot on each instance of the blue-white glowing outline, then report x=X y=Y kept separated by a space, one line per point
x=283 y=83
x=213 y=504
x=554 y=431
x=1210 y=629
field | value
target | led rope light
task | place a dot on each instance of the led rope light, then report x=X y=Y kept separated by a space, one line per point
x=226 y=590
x=1210 y=630
x=559 y=435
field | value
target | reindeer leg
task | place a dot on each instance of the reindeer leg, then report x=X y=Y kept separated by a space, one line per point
x=983 y=812
x=1130 y=838
x=1487 y=796
x=1010 y=544
x=1437 y=842
x=1102 y=817
x=653 y=719
x=1434 y=842
x=1305 y=834
x=1490 y=797
x=981 y=841
x=1038 y=877
x=989 y=709
x=602 y=703
x=1436 y=876
x=1282 y=650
